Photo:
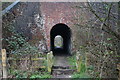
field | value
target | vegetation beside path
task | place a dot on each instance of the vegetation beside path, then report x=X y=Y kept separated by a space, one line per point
x=83 y=71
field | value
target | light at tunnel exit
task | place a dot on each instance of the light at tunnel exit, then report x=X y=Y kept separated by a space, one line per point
x=63 y=33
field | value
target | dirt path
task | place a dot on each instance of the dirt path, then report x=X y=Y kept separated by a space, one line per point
x=61 y=61
x=61 y=67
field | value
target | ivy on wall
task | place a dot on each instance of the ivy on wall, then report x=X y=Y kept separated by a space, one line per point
x=11 y=40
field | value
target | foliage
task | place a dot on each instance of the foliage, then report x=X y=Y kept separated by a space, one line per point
x=42 y=74
x=80 y=75
x=21 y=74
x=27 y=49
x=18 y=74
x=90 y=67
x=12 y=40
x=98 y=35
x=46 y=75
x=29 y=74
x=83 y=68
x=72 y=61
x=35 y=76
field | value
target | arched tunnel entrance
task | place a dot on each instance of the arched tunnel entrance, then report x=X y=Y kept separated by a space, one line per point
x=60 y=39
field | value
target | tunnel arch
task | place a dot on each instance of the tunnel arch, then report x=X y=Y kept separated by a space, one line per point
x=65 y=32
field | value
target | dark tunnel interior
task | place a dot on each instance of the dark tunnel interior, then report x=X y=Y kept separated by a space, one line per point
x=65 y=32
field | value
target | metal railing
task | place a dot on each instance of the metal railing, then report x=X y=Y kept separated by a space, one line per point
x=10 y=7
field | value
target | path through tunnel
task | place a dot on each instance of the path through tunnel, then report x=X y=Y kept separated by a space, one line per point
x=63 y=33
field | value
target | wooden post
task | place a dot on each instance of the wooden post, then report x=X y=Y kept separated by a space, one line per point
x=78 y=62
x=49 y=61
x=51 y=58
x=0 y=65
x=4 y=63
x=118 y=67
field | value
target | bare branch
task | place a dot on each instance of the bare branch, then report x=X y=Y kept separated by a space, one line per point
x=107 y=27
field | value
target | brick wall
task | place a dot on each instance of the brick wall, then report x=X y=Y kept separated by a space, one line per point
x=55 y=13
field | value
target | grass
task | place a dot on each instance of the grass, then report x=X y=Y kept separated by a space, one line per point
x=35 y=73
x=72 y=60
x=43 y=75
x=30 y=74
x=82 y=73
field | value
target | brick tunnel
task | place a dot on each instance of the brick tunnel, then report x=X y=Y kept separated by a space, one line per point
x=65 y=32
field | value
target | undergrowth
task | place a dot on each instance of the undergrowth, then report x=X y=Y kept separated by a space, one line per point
x=30 y=74
x=82 y=73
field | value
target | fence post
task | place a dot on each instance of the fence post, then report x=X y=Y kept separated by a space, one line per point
x=0 y=65
x=78 y=62
x=49 y=61
x=118 y=67
x=4 y=63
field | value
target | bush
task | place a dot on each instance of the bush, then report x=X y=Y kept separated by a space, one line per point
x=14 y=42
x=11 y=39
x=41 y=74
x=28 y=49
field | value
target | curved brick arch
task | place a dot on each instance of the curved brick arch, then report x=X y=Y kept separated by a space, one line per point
x=53 y=14
x=64 y=31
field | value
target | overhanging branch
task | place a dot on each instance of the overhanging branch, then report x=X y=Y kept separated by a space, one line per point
x=107 y=27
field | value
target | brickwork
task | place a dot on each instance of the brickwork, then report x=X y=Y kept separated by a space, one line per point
x=55 y=13
x=35 y=20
